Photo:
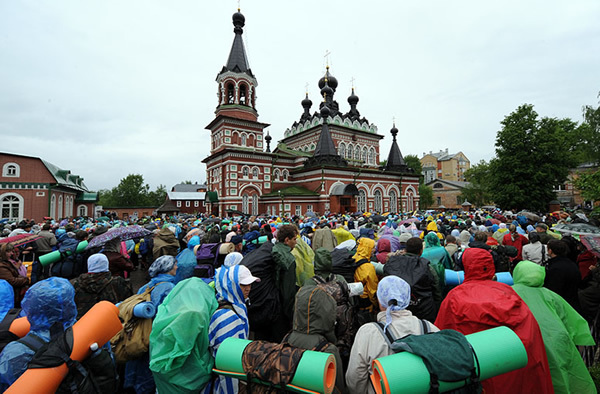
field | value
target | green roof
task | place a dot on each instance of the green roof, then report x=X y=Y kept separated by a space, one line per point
x=291 y=191
x=283 y=148
x=65 y=178
x=89 y=197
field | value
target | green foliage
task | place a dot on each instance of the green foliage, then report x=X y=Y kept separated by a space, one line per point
x=187 y=182
x=532 y=156
x=590 y=134
x=478 y=192
x=589 y=185
x=413 y=162
x=131 y=192
x=426 y=196
x=595 y=374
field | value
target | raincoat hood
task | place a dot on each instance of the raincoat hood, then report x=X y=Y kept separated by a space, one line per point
x=479 y=264
x=364 y=249
x=464 y=237
x=7 y=298
x=384 y=245
x=431 y=239
x=50 y=301
x=227 y=285
x=323 y=264
x=432 y=226
x=529 y=274
x=315 y=313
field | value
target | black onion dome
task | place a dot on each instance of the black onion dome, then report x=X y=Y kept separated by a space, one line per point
x=352 y=99
x=325 y=112
x=330 y=79
x=394 y=131
x=238 y=19
x=327 y=90
x=268 y=138
x=306 y=103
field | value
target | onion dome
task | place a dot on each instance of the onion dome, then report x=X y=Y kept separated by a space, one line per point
x=268 y=139
x=238 y=21
x=353 y=99
x=329 y=80
x=394 y=132
x=325 y=112
x=306 y=103
x=327 y=91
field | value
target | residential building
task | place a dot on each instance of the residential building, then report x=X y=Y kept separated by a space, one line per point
x=444 y=165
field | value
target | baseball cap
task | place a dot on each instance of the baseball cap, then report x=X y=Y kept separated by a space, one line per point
x=246 y=276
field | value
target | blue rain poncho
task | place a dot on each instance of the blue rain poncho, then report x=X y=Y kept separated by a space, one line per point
x=45 y=303
x=7 y=298
x=562 y=329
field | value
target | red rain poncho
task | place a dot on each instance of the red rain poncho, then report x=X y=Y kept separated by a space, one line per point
x=481 y=303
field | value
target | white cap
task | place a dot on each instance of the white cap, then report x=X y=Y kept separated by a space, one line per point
x=246 y=277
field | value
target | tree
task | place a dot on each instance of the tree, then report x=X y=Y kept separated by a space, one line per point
x=131 y=192
x=590 y=134
x=412 y=161
x=186 y=182
x=477 y=192
x=425 y=196
x=589 y=185
x=533 y=155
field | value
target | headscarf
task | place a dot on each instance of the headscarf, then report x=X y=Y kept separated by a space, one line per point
x=232 y=259
x=227 y=285
x=161 y=265
x=393 y=294
x=97 y=263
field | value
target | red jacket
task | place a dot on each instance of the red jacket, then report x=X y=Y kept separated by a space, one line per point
x=480 y=304
x=517 y=243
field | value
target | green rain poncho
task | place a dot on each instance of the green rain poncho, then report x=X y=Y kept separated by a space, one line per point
x=562 y=329
x=179 y=356
x=438 y=257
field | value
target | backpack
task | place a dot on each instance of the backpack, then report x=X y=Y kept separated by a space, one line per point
x=343 y=264
x=134 y=339
x=6 y=336
x=207 y=257
x=95 y=374
x=345 y=321
x=447 y=355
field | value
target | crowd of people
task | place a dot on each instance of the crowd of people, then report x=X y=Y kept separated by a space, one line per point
x=348 y=285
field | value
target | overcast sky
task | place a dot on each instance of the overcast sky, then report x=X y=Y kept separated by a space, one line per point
x=116 y=87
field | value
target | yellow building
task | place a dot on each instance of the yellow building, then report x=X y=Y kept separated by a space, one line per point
x=444 y=165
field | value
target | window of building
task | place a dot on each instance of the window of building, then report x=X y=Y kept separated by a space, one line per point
x=243 y=95
x=243 y=139
x=233 y=167
x=230 y=93
x=364 y=155
x=361 y=203
x=245 y=172
x=60 y=207
x=393 y=201
x=255 y=204
x=196 y=204
x=82 y=210
x=276 y=175
x=378 y=201
x=255 y=173
x=11 y=170
x=439 y=200
x=53 y=206
x=285 y=175
x=11 y=206
x=438 y=185
x=309 y=207
x=178 y=204
x=298 y=210
x=342 y=149
x=188 y=204
x=245 y=203
x=357 y=153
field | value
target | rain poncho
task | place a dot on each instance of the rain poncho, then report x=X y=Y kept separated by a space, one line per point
x=562 y=329
x=179 y=356
x=438 y=257
x=341 y=234
x=384 y=247
x=227 y=323
x=7 y=298
x=481 y=303
x=432 y=227
x=304 y=256
x=165 y=243
x=45 y=303
x=324 y=238
x=323 y=267
x=186 y=261
x=365 y=273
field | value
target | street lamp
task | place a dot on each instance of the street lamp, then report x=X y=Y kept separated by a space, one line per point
x=282 y=197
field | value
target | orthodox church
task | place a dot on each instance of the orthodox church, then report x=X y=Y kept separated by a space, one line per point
x=328 y=160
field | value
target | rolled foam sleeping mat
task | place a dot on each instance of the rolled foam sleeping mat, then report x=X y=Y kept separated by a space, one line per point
x=356 y=288
x=20 y=327
x=145 y=310
x=315 y=373
x=260 y=240
x=498 y=350
x=55 y=256
x=378 y=267
x=97 y=326
x=455 y=278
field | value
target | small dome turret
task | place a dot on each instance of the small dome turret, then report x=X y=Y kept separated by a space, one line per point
x=329 y=80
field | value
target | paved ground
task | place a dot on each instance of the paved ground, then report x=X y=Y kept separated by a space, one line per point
x=138 y=278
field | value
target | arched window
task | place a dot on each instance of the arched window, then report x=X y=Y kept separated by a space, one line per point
x=357 y=153
x=60 y=207
x=438 y=185
x=255 y=173
x=11 y=170
x=342 y=149
x=82 y=210
x=11 y=206
x=230 y=93
x=349 y=151
x=285 y=175
x=245 y=203
x=361 y=203
x=276 y=175
x=255 y=204
x=53 y=207
x=313 y=147
x=243 y=95
x=393 y=201
x=372 y=156
x=410 y=201
x=378 y=201
x=243 y=139
x=245 y=172
x=364 y=155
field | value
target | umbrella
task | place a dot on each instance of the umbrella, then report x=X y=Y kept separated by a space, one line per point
x=495 y=221
x=529 y=215
x=378 y=218
x=310 y=214
x=20 y=239
x=592 y=243
x=124 y=233
x=410 y=220
x=577 y=228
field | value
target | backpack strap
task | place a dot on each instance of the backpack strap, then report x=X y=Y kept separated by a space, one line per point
x=424 y=327
x=33 y=342
x=389 y=338
x=10 y=316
